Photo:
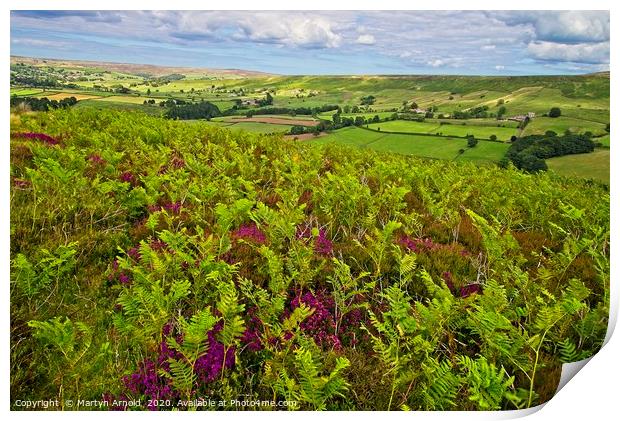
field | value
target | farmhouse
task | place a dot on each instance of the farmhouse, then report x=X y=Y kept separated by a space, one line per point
x=419 y=111
x=249 y=102
x=523 y=117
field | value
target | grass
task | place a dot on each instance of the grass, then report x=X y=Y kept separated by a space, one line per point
x=423 y=146
x=485 y=152
x=540 y=125
x=455 y=129
x=604 y=140
x=589 y=165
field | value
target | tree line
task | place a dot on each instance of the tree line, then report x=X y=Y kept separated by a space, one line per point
x=42 y=104
x=529 y=153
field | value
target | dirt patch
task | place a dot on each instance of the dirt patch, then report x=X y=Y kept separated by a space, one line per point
x=63 y=95
x=275 y=120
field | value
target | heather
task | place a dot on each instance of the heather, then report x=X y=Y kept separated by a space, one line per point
x=157 y=260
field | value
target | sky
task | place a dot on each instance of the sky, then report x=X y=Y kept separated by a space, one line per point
x=325 y=42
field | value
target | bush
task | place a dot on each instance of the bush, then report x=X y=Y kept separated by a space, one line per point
x=555 y=112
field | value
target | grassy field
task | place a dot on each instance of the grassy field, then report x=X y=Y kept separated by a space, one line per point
x=590 y=165
x=247 y=126
x=584 y=101
x=540 y=125
x=604 y=140
x=423 y=146
x=454 y=129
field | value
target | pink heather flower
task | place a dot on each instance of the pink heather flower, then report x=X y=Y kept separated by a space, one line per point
x=447 y=277
x=249 y=232
x=470 y=289
x=417 y=245
x=321 y=324
x=96 y=159
x=173 y=207
x=158 y=245
x=21 y=184
x=177 y=162
x=124 y=278
x=322 y=245
x=251 y=336
x=127 y=177
x=37 y=136
x=134 y=253
x=303 y=232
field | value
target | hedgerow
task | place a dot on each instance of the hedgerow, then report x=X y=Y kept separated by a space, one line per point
x=164 y=261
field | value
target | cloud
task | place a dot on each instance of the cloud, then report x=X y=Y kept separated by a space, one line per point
x=294 y=30
x=591 y=53
x=38 y=42
x=436 y=63
x=499 y=67
x=407 y=41
x=569 y=26
x=366 y=39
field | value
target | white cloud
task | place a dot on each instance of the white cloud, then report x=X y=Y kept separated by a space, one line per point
x=436 y=63
x=366 y=39
x=593 y=53
x=499 y=67
x=487 y=47
x=291 y=30
x=567 y=26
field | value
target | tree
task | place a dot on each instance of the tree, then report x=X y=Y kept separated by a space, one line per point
x=555 y=112
x=500 y=112
x=493 y=137
x=368 y=100
x=471 y=142
x=297 y=130
x=359 y=121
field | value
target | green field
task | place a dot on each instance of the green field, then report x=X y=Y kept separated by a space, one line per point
x=583 y=100
x=248 y=126
x=454 y=129
x=540 y=125
x=590 y=165
x=423 y=146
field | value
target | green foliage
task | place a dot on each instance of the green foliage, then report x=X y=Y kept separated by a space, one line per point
x=52 y=267
x=445 y=285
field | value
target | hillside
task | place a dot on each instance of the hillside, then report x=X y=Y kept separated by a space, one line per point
x=161 y=262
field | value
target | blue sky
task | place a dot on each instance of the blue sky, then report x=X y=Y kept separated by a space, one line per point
x=325 y=42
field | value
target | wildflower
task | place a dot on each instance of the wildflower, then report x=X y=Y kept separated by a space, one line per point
x=96 y=159
x=128 y=177
x=37 y=136
x=250 y=232
x=251 y=336
x=173 y=207
x=124 y=278
x=470 y=289
x=322 y=245
x=209 y=366
x=447 y=277
x=134 y=253
x=21 y=183
x=158 y=245
x=321 y=324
